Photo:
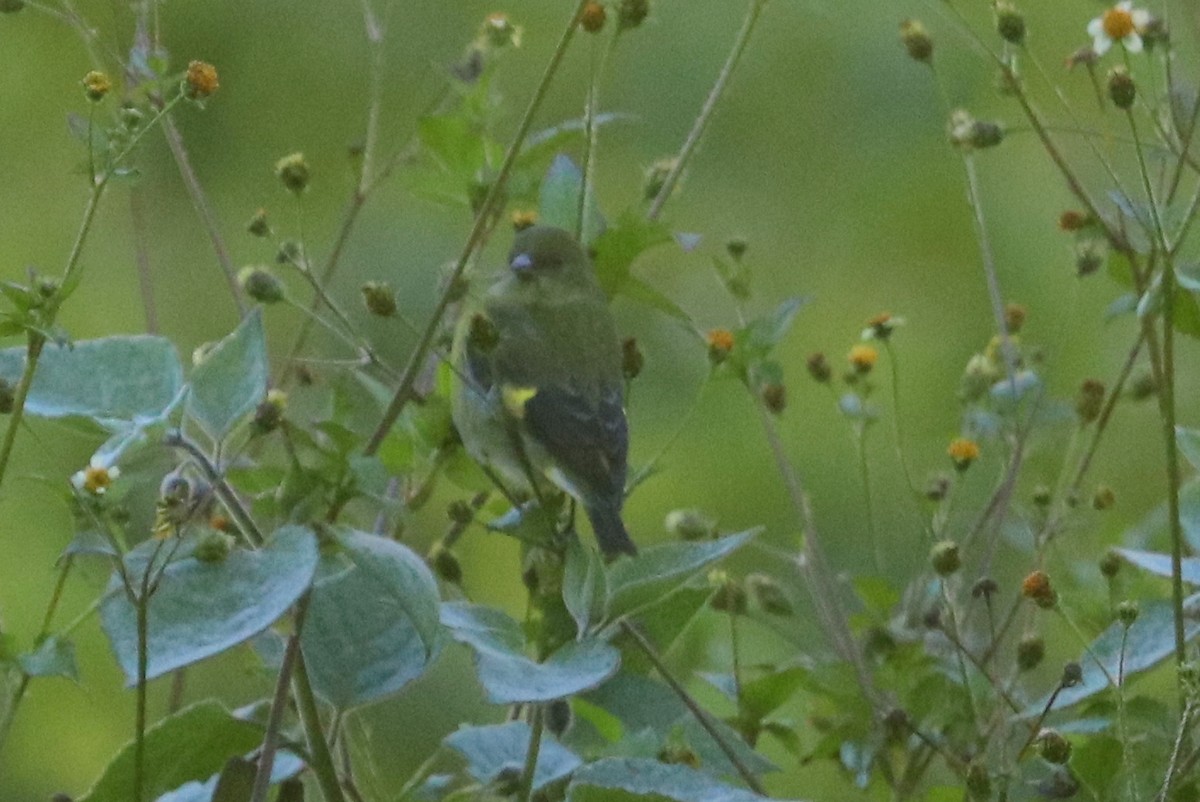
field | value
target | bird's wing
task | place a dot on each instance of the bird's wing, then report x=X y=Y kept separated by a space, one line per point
x=588 y=439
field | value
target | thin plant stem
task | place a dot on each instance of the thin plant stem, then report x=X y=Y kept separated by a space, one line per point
x=693 y=706
x=988 y=260
x=137 y=217
x=141 y=602
x=1167 y=398
x=1173 y=767
x=279 y=703
x=864 y=470
x=33 y=352
x=537 y=723
x=1123 y=720
x=205 y=211
x=320 y=759
x=228 y=496
x=416 y=360
x=812 y=563
x=753 y=14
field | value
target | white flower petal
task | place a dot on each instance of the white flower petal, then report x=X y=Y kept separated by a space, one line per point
x=1096 y=27
x=77 y=480
x=1141 y=17
x=1132 y=43
x=1125 y=5
x=1101 y=44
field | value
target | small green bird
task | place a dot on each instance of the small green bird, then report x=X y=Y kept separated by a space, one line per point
x=539 y=387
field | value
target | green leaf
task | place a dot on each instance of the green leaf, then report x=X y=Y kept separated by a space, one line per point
x=203 y=608
x=287 y=765
x=660 y=570
x=1160 y=564
x=1151 y=640
x=236 y=782
x=762 y=335
x=583 y=585
x=558 y=199
x=1189 y=444
x=455 y=142
x=614 y=779
x=231 y=380
x=621 y=244
x=54 y=657
x=543 y=145
x=115 y=378
x=189 y=745
x=374 y=628
x=637 y=290
x=508 y=675
x=493 y=750
x=763 y=696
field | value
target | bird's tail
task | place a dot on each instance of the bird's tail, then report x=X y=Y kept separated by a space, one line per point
x=610 y=530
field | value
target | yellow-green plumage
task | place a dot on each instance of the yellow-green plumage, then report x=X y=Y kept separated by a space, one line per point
x=544 y=388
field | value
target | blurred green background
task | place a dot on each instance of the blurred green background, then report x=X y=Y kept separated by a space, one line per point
x=828 y=155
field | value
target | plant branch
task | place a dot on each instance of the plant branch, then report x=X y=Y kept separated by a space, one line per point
x=753 y=14
x=693 y=706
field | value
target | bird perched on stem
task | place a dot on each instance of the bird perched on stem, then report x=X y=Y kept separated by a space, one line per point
x=539 y=389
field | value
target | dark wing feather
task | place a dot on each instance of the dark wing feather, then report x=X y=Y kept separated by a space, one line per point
x=589 y=441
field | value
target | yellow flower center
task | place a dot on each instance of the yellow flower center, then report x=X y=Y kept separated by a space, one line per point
x=96 y=479
x=863 y=358
x=1118 y=23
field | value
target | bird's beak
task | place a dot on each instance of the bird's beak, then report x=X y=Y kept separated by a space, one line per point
x=522 y=265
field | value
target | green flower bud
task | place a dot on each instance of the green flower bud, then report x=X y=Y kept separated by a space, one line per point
x=258 y=225
x=1031 y=650
x=677 y=754
x=1053 y=747
x=269 y=414
x=819 y=367
x=632 y=13
x=691 y=524
x=1121 y=88
x=213 y=547
x=445 y=564
x=1127 y=613
x=769 y=595
x=1110 y=564
x=289 y=253
x=656 y=178
x=944 y=557
x=937 y=487
x=1043 y=495
x=379 y=298
x=293 y=171
x=11 y=6
x=1072 y=675
x=1104 y=498
x=916 y=41
x=1142 y=387
x=261 y=284
x=1010 y=23
x=774 y=397
x=730 y=597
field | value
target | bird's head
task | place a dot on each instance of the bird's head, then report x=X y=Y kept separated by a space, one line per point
x=548 y=255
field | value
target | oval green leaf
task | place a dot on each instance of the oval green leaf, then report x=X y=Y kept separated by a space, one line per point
x=203 y=608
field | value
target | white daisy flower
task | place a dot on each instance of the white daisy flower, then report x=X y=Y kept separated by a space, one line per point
x=96 y=477
x=1122 y=23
